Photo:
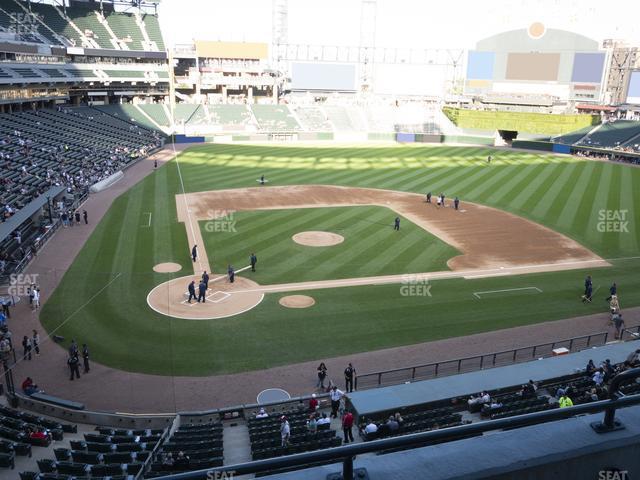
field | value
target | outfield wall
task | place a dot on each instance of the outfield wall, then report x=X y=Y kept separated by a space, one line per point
x=539 y=123
x=283 y=137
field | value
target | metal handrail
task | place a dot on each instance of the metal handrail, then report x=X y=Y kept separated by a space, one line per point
x=346 y=453
x=437 y=367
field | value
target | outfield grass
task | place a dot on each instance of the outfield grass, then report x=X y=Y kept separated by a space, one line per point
x=563 y=193
x=371 y=246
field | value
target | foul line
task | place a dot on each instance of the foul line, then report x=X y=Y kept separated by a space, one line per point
x=52 y=332
x=186 y=204
x=477 y=294
x=149 y=223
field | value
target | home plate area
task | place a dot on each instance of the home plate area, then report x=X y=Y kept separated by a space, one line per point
x=223 y=299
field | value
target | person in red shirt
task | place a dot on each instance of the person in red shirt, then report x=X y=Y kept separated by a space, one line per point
x=347 y=425
x=38 y=434
x=313 y=403
x=28 y=386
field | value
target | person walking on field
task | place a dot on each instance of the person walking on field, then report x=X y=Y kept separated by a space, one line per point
x=588 y=289
x=396 y=224
x=202 y=292
x=253 y=259
x=85 y=357
x=77 y=214
x=613 y=290
x=194 y=253
x=85 y=216
x=192 y=291
x=456 y=203
x=232 y=274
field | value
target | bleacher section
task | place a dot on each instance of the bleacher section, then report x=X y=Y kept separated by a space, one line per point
x=157 y=112
x=152 y=26
x=71 y=148
x=339 y=118
x=573 y=137
x=16 y=427
x=126 y=30
x=275 y=118
x=52 y=18
x=264 y=434
x=201 y=444
x=86 y=19
x=312 y=119
x=231 y=117
x=89 y=31
x=612 y=134
x=107 y=453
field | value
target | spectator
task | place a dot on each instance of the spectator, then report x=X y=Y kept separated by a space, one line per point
x=634 y=358
x=313 y=403
x=598 y=377
x=528 y=390
x=324 y=420
x=182 y=461
x=28 y=387
x=167 y=459
x=392 y=424
x=564 y=401
x=285 y=431
x=399 y=418
x=591 y=368
x=262 y=414
x=312 y=424
x=347 y=427
x=370 y=430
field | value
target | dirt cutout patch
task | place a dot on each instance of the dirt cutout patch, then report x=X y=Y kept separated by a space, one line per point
x=168 y=267
x=222 y=299
x=297 y=301
x=318 y=239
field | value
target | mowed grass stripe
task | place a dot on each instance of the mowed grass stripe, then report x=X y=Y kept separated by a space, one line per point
x=524 y=185
x=537 y=186
x=547 y=201
x=574 y=198
x=633 y=203
x=594 y=201
x=510 y=189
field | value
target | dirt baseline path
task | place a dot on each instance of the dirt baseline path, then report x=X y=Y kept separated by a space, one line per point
x=488 y=238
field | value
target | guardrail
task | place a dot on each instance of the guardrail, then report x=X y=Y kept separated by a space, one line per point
x=480 y=362
x=346 y=453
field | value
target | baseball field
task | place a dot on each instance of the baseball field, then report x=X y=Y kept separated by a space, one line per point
x=530 y=227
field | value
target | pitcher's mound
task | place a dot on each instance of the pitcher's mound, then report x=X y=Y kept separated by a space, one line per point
x=297 y=301
x=167 y=267
x=318 y=239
